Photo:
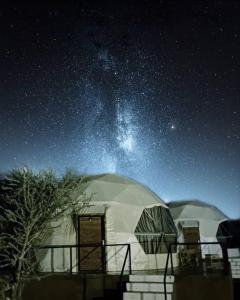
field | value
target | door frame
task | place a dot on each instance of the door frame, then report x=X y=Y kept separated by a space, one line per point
x=102 y=216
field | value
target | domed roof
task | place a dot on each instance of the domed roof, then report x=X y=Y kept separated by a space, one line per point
x=116 y=188
x=195 y=209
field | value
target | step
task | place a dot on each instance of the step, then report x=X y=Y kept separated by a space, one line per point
x=149 y=287
x=145 y=296
x=151 y=278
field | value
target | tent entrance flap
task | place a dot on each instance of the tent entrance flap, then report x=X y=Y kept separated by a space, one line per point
x=90 y=232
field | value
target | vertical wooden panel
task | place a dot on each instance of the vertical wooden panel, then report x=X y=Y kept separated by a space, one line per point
x=90 y=232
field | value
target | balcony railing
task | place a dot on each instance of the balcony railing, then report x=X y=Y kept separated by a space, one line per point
x=79 y=256
x=193 y=259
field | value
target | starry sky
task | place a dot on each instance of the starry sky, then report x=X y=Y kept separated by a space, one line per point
x=146 y=89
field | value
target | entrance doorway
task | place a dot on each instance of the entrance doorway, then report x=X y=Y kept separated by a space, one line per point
x=190 y=255
x=191 y=235
x=91 y=233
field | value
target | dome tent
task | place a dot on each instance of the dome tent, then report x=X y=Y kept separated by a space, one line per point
x=131 y=213
x=197 y=213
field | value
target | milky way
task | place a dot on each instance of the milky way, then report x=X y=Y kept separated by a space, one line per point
x=149 y=92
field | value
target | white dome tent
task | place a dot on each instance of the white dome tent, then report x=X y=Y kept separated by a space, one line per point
x=130 y=213
x=195 y=213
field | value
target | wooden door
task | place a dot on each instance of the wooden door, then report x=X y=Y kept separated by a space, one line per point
x=191 y=235
x=193 y=254
x=91 y=233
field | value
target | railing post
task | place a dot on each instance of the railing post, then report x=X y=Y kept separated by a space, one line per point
x=78 y=258
x=70 y=260
x=165 y=273
x=52 y=263
x=225 y=259
x=104 y=254
x=172 y=271
x=130 y=259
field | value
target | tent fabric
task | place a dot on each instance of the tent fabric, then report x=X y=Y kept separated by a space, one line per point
x=93 y=210
x=195 y=209
x=153 y=235
x=189 y=223
x=229 y=233
x=123 y=202
x=113 y=188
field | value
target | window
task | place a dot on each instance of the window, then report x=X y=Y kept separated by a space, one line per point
x=156 y=230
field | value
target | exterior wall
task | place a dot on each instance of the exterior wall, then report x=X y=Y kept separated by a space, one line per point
x=71 y=287
x=197 y=287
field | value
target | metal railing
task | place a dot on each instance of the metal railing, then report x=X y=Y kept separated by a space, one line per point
x=225 y=263
x=93 y=247
x=104 y=262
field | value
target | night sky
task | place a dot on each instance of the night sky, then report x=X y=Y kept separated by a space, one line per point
x=146 y=89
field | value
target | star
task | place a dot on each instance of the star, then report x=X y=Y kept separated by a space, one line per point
x=119 y=90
